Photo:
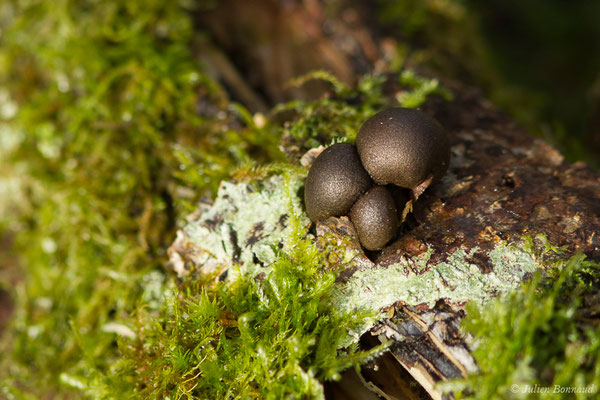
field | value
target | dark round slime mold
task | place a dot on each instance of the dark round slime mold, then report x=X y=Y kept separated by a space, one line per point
x=403 y=146
x=335 y=181
x=375 y=217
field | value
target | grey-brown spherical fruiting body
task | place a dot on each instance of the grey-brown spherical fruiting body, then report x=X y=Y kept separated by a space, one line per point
x=335 y=181
x=403 y=146
x=375 y=217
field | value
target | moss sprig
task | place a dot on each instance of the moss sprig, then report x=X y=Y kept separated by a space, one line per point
x=540 y=341
x=274 y=337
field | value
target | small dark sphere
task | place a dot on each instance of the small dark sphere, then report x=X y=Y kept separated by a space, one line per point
x=335 y=181
x=375 y=218
x=403 y=146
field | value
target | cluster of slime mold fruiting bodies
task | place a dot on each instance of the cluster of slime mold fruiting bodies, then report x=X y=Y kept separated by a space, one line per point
x=396 y=148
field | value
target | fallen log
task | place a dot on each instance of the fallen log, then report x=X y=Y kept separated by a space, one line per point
x=467 y=239
x=476 y=234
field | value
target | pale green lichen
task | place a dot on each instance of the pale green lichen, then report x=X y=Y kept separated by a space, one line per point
x=245 y=226
x=240 y=207
x=456 y=280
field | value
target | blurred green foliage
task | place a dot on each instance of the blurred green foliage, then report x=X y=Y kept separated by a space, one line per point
x=548 y=49
x=104 y=101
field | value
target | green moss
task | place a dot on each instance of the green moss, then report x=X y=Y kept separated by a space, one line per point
x=338 y=117
x=419 y=89
x=104 y=148
x=540 y=341
x=102 y=137
x=331 y=118
x=273 y=337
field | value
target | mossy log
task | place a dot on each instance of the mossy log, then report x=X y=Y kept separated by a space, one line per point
x=467 y=239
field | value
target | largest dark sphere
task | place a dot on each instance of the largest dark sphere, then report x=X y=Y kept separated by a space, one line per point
x=403 y=146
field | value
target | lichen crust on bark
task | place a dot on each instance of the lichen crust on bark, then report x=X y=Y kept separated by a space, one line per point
x=245 y=227
x=242 y=232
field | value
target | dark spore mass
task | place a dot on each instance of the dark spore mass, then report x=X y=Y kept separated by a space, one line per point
x=335 y=181
x=375 y=217
x=403 y=146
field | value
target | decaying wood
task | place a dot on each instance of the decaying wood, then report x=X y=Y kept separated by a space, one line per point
x=502 y=184
x=272 y=42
